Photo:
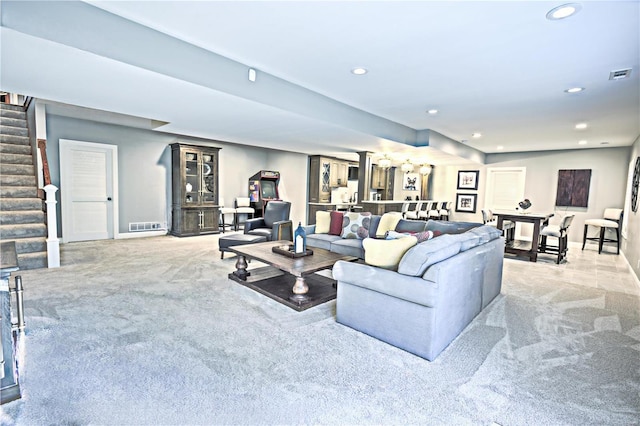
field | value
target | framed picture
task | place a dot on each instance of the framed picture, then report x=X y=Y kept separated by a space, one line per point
x=466 y=203
x=468 y=179
x=411 y=182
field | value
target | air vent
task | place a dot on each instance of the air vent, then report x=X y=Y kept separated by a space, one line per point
x=145 y=226
x=619 y=74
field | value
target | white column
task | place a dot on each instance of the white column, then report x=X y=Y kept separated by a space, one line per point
x=53 y=244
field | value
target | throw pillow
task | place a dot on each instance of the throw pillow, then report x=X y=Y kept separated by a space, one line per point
x=335 y=225
x=388 y=222
x=323 y=222
x=393 y=235
x=356 y=225
x=386 y=253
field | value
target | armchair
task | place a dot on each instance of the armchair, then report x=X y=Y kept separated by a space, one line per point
x=275 y=225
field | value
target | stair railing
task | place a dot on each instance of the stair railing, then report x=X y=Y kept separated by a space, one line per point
x=53 y=244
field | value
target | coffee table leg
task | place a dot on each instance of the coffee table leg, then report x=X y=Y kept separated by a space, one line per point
x=300 y=289
x=241 y=268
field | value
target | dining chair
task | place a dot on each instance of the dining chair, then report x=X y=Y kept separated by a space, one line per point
x=434 y=211
x=560 y=232
x=612 y=219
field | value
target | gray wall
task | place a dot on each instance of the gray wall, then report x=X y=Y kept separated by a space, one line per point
x=608 y=181
x=144 y=168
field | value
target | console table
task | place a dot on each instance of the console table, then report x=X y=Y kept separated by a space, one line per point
x=518 y=247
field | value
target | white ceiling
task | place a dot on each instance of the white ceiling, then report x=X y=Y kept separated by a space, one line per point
x=498 y=67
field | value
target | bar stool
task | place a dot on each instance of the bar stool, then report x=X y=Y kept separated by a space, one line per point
x=445 y=210
x=559 y=232
x=243 y=206
x=226 y=212
x=508 y=227
x=612 y=219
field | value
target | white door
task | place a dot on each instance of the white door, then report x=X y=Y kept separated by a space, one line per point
x=88 y=182
x=505 y=189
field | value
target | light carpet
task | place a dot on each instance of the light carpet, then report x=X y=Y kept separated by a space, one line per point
x=152 y=332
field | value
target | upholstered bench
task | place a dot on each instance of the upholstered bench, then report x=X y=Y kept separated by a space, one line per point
x=227 y=241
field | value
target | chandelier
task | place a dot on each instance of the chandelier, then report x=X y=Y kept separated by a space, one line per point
x=425 y=169
x=407 y=167
x=384 y=162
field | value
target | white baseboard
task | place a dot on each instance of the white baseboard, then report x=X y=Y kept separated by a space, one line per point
x=141 y=234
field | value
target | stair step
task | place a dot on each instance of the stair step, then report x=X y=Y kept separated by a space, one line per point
x=13 y=148
x=27 y=230
x=14 y=139
x=13 y=204
x=17 y=180
x=11 y=107
x=18 y=191
x=35 y=260
x=17 y=169
x=20 y=217
x=10 y=113
x=30 y=245
x=17 y=131
x=13 y=122
x=13 y=158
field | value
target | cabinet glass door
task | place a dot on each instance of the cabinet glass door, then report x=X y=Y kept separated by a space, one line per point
x=192 y=179
x=208 y=178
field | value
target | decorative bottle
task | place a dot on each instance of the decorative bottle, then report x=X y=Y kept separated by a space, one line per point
x=300 y=239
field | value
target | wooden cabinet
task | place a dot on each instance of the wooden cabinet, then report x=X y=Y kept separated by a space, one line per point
x=378 y=177
x=325 y=174
x=338 y=174
x=319 y=179
x=313 y=209
x=383 y=179
x=195 y=209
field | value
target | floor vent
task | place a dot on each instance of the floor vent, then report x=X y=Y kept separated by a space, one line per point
x=144 y=226
x=619 y=74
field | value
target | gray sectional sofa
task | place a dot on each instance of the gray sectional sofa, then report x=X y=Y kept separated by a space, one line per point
x=352 y=245
x=439 y=286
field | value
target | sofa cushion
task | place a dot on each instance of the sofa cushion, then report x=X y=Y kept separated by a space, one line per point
x=446 y=227
x=388 y=222
x=348 y=247
x=323 y=221
x=417 y=259
x=321 y=240
x=486 y=233
x=373 y=225
x=408 y=225
x=356 y=225
x=469 y=240
x=386 y=253
x=335 y=226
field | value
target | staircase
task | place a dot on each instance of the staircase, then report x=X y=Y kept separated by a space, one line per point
x=21 y=217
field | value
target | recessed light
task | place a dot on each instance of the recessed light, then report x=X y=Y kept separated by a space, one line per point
x=581 y=126
x=575 y=90
x=582 y=142
x=476 y=135
x=359 y=71
x=500 y=147
x=432 y=111
x=563 y=11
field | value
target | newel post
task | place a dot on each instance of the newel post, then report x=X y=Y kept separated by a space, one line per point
x=53 y=244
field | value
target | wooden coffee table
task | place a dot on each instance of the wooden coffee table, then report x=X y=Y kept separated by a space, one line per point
x=275 y=280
